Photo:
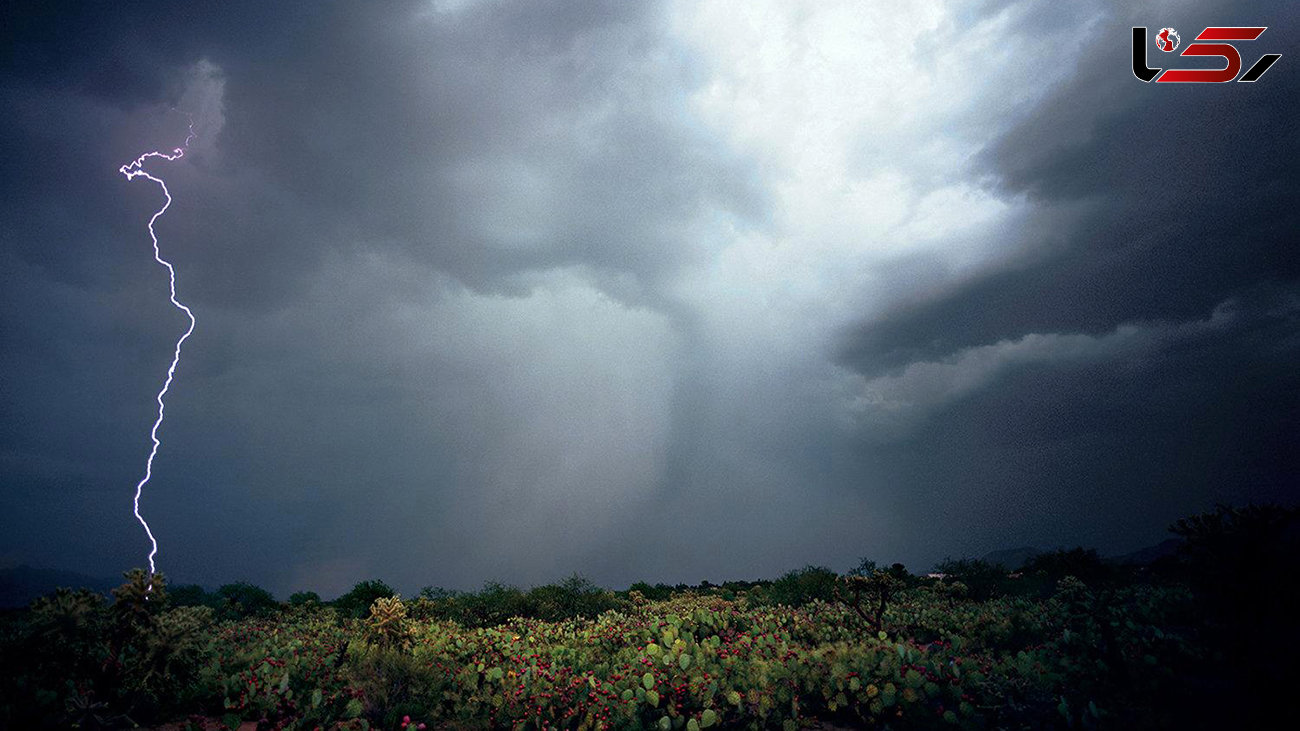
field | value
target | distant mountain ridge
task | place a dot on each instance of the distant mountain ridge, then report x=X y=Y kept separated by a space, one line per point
x=1014 y=559
x=21 y=584
x=1150 y=554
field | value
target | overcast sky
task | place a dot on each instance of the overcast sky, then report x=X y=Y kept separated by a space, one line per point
x=665 y=291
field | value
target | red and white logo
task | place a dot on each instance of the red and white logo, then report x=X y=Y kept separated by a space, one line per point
x=1167 y=40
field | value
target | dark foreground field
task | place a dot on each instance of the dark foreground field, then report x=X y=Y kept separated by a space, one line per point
x=1205 y=639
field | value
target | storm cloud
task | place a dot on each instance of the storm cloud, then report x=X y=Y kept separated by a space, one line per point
x=662 y=291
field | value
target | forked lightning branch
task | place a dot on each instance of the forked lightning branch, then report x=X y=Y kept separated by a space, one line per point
x=132 y=170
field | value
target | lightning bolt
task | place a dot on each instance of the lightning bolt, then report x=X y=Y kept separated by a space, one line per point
x=133 y=170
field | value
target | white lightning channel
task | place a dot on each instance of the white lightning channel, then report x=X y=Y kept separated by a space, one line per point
x=134 y=170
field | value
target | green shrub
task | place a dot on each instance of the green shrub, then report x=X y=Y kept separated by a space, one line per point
x=356 y=603
x=799 y=587
x=79 y=662
x=865 y=567
x=437 y=593
x=658 y=592
x=983 y=580
x=1110 y=654
x=495 y=604
x=242 y=599
x=574 y=597
x=192 y=595
x=304 y=599
x=1083 y=564
x=1242 y=561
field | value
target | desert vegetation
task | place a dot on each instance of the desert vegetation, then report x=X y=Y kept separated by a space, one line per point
x=1201 y=638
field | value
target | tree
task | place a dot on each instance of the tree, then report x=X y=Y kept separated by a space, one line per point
x=1243 y=561
x=356 y=603
x=304 y=598
x=437 y=593
x=799 y=587
x=655 y=593
x=242 y=599
x=876 y=589
x=497 y=603
x=900 y=572
x=983 y=579
x=1242 y=565
x=190 y=595
x=576 y=596
x=1083 y=564
x=865 y=567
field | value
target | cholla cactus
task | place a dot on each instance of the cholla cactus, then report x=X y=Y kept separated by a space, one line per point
x=387 y=625
x=137 y=602
x=953 y=591
x=1074 y=595
x=878 y=587
x=67 y=612
x=66 y=627
x=180 y=629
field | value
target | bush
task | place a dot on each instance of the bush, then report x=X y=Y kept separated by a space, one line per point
x=495 y=604
x=1242 y=565
x=79 y=663
x=1136 y=655
x=576 y=596
x=1242 y=561
x=67 y=629
x=192 y=595
x=498 y=603
x=865 y=567
x=1046 y=569
x=983 y=580
x=658 y=592
x=356 y=603
x=242 y=599
x=304 y=599
x=797 y=588
x=392 y=682
x=437 y=593
x=900 y=574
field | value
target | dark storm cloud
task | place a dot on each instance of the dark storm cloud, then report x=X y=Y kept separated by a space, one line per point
x=493 y=140
x=374 y=160
x=1108 y=449
x=498 y=140
x=1186 y=188
x=1015 y=403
